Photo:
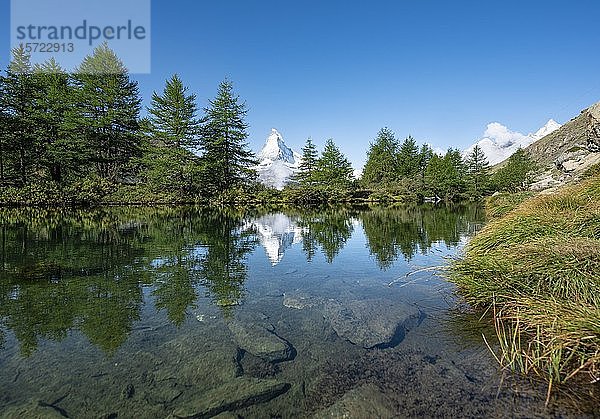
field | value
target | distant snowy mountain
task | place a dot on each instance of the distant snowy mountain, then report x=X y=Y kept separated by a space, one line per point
x=278 y=162
x=499 y=142
x=547 y=129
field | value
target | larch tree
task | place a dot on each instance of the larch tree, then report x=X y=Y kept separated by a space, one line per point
x=306 y=171
x=381 y=168
x=408 y=159
x=107 y=112
x=445 y=176
x=228 y=160
x=478 y=171
x=517 y=174
x=333 y=168
x=17 y=101
x=59 y=152
x=173 y=131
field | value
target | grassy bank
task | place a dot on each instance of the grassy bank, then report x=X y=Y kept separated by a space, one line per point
x=536 y=269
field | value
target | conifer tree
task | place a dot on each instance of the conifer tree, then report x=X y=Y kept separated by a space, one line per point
x=107 y=111
x=228 y=160
x=381 y=168
x=333 y=168
x=173 y=130
x=308 y=165
x=173 y=119
x=478 y=171
x=4 y=136
x=5 y=133
x=17 y=99
x=59 y=152
x=408 y=159
x=445 y=176
x=425 y=156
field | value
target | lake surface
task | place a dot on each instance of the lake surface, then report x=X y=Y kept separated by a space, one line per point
x=182 y=312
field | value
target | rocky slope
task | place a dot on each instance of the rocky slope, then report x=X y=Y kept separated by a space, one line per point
x=566 y=153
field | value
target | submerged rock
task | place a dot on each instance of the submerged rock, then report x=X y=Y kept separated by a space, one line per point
x=261 y=342
x=237 y=394
x=366 y=401
x=253 y=366
x=299 y=300
x=209 y=369
x=34 y=410
x=372 y=323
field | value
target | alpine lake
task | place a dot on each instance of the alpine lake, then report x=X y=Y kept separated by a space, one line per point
x=185 y=312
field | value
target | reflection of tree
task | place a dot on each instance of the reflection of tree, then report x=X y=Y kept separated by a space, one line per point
x=223 y=266
x=33 y=311
x=408 y=230
x=385 y=232
x=110 y=309
x=175 y=291
x=86 y=270
x=329 y=229
x=64 y=271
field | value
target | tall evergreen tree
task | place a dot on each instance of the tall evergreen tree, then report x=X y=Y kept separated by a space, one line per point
x=173 y=119
x=107 y=111
x=308 y=165
x=478 y=171
x=425 y=156
x=59 y=152
x=228 y=160
x=381 y=168
x=173 y=130
x=408 y=159
x=5 y=134
x=333 y=168
x=17 y=100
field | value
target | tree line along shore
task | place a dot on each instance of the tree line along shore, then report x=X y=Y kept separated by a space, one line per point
x=79 y=139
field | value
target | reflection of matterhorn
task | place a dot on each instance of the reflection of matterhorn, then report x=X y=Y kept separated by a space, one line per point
x=277 y=233
x=278 y=162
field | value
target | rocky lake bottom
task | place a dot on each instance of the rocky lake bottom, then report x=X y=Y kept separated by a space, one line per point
x=184 y=314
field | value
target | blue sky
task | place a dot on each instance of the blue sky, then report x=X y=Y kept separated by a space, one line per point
x=438 y=70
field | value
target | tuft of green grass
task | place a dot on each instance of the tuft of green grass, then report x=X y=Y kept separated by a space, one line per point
x=537 y=269
x=592 y=171
x=499 y=205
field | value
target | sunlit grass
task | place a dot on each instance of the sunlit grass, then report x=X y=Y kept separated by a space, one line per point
x=500 y=204
x=537 y=270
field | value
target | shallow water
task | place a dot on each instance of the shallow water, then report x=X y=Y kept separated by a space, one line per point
x=338 y=312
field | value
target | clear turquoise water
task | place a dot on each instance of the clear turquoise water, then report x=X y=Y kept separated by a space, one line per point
x=337 y=312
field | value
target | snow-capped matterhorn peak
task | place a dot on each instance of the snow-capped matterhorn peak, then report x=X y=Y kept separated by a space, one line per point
x=278 y=163
x=275 y=149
